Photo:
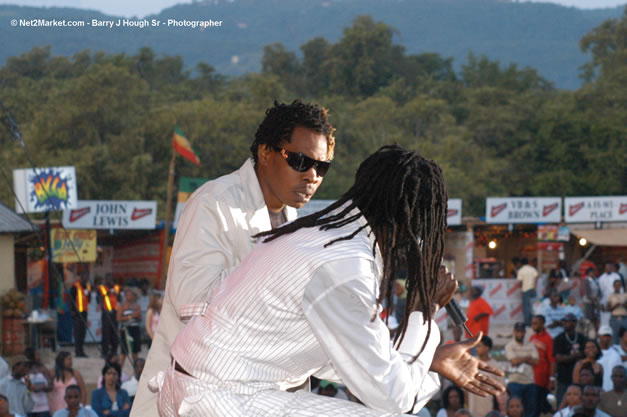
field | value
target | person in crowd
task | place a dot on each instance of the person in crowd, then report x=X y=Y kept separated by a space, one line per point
x=80 y=294
x=129 y=317
x=592 y=353
x=609 y=357
x=515 y=407
x=527 y=274
x=463 y=412
x=589 y=403
x=17 y=389
x=606 y=284
x=572 y=399
x=522 y=358
x=617 y=306
x=614 y=402
x=4 y=371
x=111 y=400
x=554 y=313
x=571 y=306
x=113 y=358
x=5 y=409
x=587 y=377
x=479 y=312
x=108 y=294
x=291 y=153
x=621 y=347
x=152 y=314
x=73 y=404
x=568 y=349
x=130 y=386
x=41 y=382
x=64 y=376
x=591 y=297
x=544 y=370
x=553 y=283
x=480 y=406
x=452 y=400
x=340 y=263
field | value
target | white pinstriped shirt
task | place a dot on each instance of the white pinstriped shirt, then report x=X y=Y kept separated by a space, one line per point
x=293 y=309
x=214 y=235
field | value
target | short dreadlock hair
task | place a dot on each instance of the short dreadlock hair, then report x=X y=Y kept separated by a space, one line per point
x=403 y=198
x=281 y=119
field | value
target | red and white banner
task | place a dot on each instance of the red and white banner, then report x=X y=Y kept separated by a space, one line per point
x=454 y=212
x=505 y=298
x=595 y=209
x=511 y=210
x=111 y=215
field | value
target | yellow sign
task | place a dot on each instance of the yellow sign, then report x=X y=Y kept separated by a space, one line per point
x=72 y=246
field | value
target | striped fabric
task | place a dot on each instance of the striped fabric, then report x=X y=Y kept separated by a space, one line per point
x=290 y=310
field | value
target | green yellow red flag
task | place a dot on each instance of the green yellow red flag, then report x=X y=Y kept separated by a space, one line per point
x=183 y=147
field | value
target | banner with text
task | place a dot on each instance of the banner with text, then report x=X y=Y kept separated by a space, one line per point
x=73 y=245
x=595 y=209
x=111 y=215
x=454 y=212
x=44 y=189
x=523 y=210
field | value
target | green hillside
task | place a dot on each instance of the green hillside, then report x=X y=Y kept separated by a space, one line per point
x=542 y=36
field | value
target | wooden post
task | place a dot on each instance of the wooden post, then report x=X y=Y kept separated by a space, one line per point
x=168 y=214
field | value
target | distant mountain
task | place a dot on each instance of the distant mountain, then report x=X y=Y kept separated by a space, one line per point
x=542 y=36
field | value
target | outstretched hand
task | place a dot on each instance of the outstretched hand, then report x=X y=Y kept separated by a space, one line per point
x=455 y=362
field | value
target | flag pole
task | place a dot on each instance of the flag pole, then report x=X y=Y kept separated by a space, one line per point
x=168 y=214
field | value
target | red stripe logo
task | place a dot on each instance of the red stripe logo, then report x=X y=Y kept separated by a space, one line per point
x=548 y=209
x=494 y=211
x=495 y=290
x=451 y=212
x=573 y=209
x=622 y=209
x=78 y=213
x=139 y=213
x=515 y=311
x=499 y=311
x=514 y=288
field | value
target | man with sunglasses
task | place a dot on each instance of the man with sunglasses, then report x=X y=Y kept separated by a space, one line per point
x=291 y=153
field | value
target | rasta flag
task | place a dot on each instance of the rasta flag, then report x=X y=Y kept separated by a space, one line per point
x=183 y=147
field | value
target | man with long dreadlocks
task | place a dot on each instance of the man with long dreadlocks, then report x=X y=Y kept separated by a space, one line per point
x=306 y=302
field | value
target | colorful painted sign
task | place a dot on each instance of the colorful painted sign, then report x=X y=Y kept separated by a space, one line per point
x=109 y=215
x=45 y=189
x=511 y=210
x=73 y=246
x=595 y=209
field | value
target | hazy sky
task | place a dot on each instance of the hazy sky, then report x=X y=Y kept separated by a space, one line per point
x=142 y=8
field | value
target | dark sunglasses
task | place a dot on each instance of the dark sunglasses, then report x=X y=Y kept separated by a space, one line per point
x=302 y=163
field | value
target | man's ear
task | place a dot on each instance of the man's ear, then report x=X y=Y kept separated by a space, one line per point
x=263 y=154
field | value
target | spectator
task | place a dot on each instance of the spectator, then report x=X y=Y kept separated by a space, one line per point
x=606 y=284
x=515 y=407
x=452 y=400
x=621 y=347
x=527 y=274
x=479 y=312
x=553 y=282
x=544 y=370
x=572 y=399
x=522 y=358
x=41 y=382
x=573 y=307
x=590 y=401
x=4 y=408
x=554 y=314
x=130 y=386
x=609 y=357
x=111 y=400
x=568 y=349
x=591 y=297
x=129 y=317
x=615 y=402
x=73 y=402
x=480 y=406
x=586 y=377
x=617 y=306
x=113 y=358
x=18 y=391
x=64 y=376
x=152 y=314
x=592 y=353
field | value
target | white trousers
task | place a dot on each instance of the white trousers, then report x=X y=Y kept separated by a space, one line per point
x=185 y=396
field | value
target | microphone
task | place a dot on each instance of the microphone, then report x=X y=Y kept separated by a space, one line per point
x=457 y=315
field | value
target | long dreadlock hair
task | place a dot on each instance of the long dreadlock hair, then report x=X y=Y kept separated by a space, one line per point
x=403 y=198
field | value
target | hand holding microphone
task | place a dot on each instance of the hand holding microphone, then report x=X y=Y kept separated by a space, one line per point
x=446 y=287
